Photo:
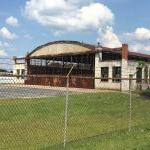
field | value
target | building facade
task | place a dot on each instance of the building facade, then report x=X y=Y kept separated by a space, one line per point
x=121 y=64
x=94 y=66
x=19 y=70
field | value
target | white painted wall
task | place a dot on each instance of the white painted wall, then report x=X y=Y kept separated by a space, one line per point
x=110 y=84
x=8 y=80
x=128 y=68
x=19 y=67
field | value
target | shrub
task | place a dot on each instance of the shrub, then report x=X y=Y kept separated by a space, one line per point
x=146 y=93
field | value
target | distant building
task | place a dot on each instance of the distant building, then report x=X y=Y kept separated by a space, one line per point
x=19 y=69
x=95 y=66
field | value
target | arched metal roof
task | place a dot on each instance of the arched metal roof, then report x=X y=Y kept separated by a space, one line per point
x=59 y=48
x=62 y=48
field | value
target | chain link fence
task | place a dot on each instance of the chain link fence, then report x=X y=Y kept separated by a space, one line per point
x=45 y=117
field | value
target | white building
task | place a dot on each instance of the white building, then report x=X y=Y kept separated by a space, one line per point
x=124 y=67
x=19 y=70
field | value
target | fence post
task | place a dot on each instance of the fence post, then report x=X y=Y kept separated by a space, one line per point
x=130 y=103
x=66 y=106
x=66 y=111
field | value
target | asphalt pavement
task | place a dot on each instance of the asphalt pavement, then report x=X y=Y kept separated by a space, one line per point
x=13 y=92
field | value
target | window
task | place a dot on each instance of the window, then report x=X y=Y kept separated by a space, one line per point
x=104 y=74
x=116 y=74
x=146 y=74
x=138 y=75
x=22 y=73
x=18 y=73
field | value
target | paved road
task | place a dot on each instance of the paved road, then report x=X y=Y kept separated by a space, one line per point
x=8 y=91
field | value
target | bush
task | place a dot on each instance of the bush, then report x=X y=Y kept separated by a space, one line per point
x=146 y=93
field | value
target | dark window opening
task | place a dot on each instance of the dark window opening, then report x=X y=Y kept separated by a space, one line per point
x=104 y=74
x=60 y=65
x=116 y=74
x=138 y=75
x=18 y=73
x=146 y=74
x=108 y=56
x=22 y=73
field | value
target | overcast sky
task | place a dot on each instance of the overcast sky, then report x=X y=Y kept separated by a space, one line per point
x=26 y=24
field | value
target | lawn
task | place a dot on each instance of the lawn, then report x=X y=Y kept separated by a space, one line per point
x=96 y=121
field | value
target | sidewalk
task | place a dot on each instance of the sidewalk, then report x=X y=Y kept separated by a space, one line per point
x=79 y=90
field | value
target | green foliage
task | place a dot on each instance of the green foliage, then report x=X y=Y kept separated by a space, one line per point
x=3 y=70
x=146 y=93
x=142 y=64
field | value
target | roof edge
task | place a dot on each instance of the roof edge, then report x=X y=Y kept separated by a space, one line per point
x=90 y=46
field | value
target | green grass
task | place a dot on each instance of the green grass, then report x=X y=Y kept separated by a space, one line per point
x=96 y=121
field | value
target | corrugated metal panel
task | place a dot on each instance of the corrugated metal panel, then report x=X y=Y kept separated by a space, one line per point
x=76 y=82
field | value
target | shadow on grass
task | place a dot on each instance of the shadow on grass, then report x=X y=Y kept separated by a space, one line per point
x=114 y=134
x=145 y=98
x=87 y=139
x=144 y=147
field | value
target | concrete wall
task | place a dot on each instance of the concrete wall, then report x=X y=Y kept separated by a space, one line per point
x=127 y=68
x=98 y=64
x=10 y=80
x=19 y=67
x=132 y=65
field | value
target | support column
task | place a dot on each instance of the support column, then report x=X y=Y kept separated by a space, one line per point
x=149 y=74
x=110 y=74
x=143 y=75
x=124 y=68
x=98 y=59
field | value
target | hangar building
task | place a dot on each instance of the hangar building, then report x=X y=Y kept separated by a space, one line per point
x=95 y=66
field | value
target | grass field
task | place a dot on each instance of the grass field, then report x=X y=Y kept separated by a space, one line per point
x=96 y=121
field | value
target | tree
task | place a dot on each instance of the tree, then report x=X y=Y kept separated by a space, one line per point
x=3 y=70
